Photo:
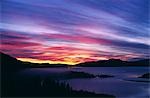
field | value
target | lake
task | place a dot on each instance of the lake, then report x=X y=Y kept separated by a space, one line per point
x=119 y=85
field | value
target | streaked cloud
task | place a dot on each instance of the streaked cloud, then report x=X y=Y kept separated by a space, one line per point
x=74 y=31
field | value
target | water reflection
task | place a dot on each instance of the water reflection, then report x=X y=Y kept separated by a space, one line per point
x=117 y=85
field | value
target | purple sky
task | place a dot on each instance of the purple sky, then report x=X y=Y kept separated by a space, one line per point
x=74 y=31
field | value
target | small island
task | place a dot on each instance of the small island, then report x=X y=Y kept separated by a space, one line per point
x=74 y=74
x=145 y=76
x=104 y=76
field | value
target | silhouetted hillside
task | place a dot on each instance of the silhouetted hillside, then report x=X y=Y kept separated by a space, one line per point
x=144 y=62
x=115 y=63
x=37 y=87
x=10 y=64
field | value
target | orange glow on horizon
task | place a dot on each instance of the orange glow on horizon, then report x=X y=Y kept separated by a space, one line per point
x=69 y=60
x=44 y=61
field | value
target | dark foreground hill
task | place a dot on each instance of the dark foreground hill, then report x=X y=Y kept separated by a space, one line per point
x=10 y=64
x=8 y=61
x=16 y=85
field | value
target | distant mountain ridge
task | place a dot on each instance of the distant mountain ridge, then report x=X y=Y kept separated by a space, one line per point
x=11 y=63
x=116 y=63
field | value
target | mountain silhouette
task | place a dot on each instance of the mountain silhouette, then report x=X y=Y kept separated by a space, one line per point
x=9 y=64
x=115 y=63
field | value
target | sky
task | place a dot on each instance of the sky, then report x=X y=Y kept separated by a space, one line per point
x=74 y=31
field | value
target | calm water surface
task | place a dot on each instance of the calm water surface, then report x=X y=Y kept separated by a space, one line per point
x=118 y=85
